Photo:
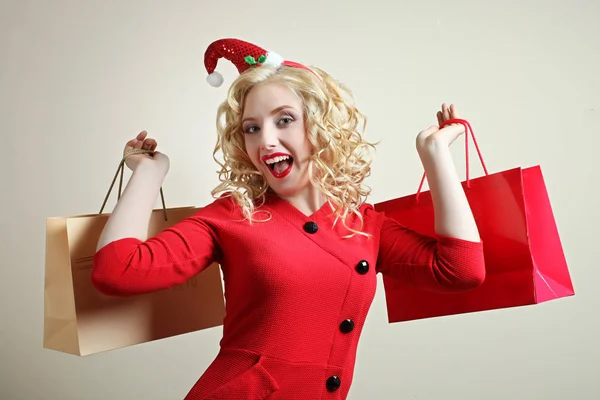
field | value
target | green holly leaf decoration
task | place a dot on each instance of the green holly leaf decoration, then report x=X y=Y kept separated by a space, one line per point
x=253 y=62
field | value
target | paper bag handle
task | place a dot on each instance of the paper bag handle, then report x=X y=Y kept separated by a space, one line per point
x=468 y=129
x=120 y=170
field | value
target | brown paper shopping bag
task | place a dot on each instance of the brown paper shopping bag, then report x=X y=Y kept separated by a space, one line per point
x=80 y=320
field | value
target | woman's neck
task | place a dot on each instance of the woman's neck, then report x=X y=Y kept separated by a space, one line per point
x=308 y=201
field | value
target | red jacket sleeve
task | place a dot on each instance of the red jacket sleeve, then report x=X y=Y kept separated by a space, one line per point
x=439 y=263
x=130 y=266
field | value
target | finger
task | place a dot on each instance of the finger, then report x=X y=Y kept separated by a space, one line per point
x=445 y=112
x=142 y=135
x=149 y=144
x=453 y=112
x=440 y=118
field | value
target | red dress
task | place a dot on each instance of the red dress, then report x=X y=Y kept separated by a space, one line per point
x=297 y=293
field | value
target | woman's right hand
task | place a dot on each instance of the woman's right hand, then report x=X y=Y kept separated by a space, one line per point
x=133 y=210
x=156 y=159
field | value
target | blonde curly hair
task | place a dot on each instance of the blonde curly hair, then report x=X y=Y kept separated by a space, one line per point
x=341 y=159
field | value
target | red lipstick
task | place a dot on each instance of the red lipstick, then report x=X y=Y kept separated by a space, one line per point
x=271 y=166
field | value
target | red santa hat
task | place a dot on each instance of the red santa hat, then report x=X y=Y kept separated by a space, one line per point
x=243 y=55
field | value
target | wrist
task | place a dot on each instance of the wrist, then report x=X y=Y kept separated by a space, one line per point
x=433 y=154
x=152 y=169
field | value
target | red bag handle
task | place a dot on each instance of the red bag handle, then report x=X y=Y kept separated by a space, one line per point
x=468 y=129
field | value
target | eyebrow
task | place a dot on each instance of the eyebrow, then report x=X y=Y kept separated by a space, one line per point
x=275 y=111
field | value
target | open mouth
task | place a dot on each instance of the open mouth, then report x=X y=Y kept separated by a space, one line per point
x=280 y=164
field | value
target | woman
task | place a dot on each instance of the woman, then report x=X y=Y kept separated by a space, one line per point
x=298 y=245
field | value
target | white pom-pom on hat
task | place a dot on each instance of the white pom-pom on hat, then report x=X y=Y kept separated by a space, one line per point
x=215 y=79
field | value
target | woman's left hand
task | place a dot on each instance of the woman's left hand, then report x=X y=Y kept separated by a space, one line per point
x=434 y=138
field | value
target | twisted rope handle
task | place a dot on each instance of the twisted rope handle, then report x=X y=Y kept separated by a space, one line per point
x=468 y=129
x=120 y=170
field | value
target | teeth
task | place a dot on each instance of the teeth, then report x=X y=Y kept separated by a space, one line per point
x=277 y=159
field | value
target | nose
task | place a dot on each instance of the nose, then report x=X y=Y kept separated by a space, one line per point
x=267 y=147
x=268 y=138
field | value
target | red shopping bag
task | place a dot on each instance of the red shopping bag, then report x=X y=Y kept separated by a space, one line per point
x=524 y=258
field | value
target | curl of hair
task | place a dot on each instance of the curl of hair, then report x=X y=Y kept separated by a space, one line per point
x=341 y=159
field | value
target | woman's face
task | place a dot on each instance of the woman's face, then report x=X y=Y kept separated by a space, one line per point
x=275 y=137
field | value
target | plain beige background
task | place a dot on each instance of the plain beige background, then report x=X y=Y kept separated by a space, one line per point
x=79 y=78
